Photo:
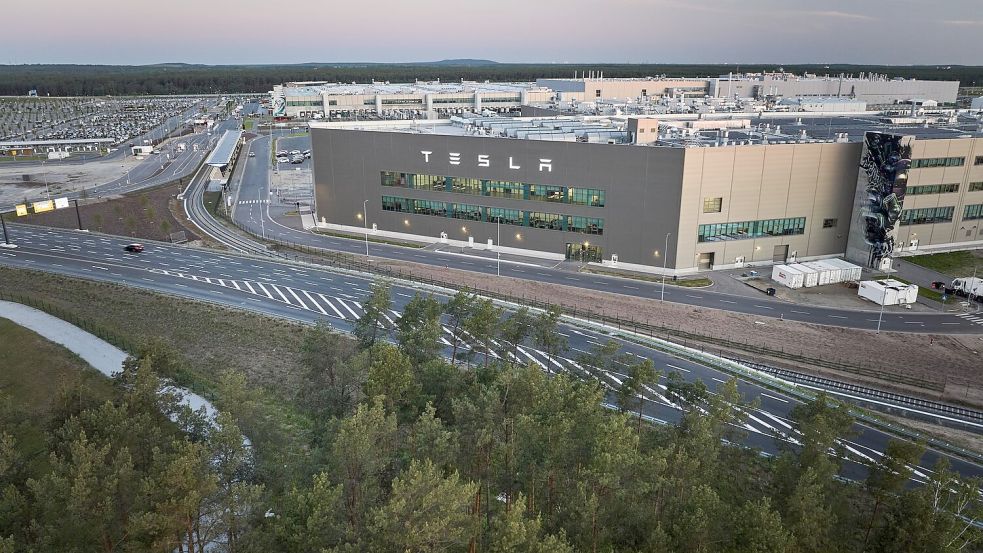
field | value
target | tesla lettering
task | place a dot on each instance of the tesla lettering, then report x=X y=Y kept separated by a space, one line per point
x=484 y=160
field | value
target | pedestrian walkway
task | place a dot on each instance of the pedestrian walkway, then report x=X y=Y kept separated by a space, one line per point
x=100 y=354
x=103 y=356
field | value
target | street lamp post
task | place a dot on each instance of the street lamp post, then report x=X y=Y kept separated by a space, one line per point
x=3 y=224
x=78 y=215
x=665 y=257
x=498 y=246
x=365 y=224
x=881 y=315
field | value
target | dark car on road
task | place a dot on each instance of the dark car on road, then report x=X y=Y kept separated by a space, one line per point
x=134 y=248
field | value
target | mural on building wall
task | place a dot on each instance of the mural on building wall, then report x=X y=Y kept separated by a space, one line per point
x=884 y=168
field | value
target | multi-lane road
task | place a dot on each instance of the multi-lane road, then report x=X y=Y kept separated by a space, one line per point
x=252 y=211
x=307 y=294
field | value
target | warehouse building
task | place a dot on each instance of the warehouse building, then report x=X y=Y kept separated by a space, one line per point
x=320 y=99
x=871 y=89
x=733 y=192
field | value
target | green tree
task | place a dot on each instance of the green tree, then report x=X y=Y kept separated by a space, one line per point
x=391 y=377
x=419 y=330
x=426 y=512
x=236 y=498
x=364 y=453
x=430 y=440
x=334 y=379
x=311 y=519
x=642 y=376
x=458 y=309
x=366 y=328
x=889 y=476
x=809 y=517
x=482 y=325
x=547 y=335
x=515 y=331
x=758 y=529
x=514 y=531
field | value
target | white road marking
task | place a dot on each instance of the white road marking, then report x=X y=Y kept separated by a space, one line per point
x=728 y=301
x=331 y=305
x=296 y=297
x=345 y=305
x=773 y=397
x=265 y=291
x=319 y=308
x=277 y=290
x=800 y=312
x=677 y=368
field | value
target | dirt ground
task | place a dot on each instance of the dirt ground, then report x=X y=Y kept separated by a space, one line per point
x=20 y=183
x=146 y=214
x=948 y=366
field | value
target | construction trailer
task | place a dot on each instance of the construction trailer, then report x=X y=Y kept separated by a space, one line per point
x=888 y=292
x=787 y=276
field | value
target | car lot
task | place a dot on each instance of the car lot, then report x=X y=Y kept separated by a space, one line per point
x=121 y=119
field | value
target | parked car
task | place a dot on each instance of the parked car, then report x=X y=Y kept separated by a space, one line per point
x=283 y=159
x=134 y=248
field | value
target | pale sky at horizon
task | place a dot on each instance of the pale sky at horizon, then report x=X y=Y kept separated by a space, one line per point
x=545 y=31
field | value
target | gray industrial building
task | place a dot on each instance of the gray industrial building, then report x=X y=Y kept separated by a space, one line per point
x=723 y=194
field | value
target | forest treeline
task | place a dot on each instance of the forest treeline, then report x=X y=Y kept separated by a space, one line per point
x=123 y=80
x=406 y=450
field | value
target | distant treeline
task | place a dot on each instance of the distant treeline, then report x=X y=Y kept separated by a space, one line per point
x=120 y=80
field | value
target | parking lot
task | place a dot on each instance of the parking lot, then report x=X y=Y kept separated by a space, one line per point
x=121 y=119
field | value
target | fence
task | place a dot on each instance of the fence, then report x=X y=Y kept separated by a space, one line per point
x=648 y=327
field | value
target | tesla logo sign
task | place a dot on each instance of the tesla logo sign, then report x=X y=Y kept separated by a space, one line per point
x=484 y=160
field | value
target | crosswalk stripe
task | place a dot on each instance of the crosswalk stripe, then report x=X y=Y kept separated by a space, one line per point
x=235 y=284
x=296 y=297
x=265 y=291
x=319 y=308
x=251 y=290
x=222 y=283
x=345 y=305
x=331 y=305
x=277 y=290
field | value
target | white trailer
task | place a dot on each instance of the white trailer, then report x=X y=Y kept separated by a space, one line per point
x=835 y=271
x=810 y=277
x=888 y=292
x=825 y=273
x=141 y=150
x=786 y=276
x=848 y=271
x=968 y=286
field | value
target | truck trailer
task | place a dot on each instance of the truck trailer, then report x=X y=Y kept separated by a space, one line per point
x=787 y=276
x=888 y=292
x=968 y=287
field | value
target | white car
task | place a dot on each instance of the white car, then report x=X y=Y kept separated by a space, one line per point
x=252 y=154
x=282 y=160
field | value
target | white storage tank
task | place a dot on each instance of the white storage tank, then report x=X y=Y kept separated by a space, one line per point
x=786 y=276
x=888 y=292
x=810 y=277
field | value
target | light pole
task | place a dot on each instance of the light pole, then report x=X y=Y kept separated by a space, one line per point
x=498 y=245
x=44 y=174
x=881 y=315
x=6 y=239
x=665 y=258
x=365 y=225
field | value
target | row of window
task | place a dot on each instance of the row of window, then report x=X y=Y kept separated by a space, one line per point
x=469 y=212
x=305 y=103
x=975 y=186
x=713 y=205
x=938 y=162
x=593 y=197
x=751 y=229
x=927 y=215
x=974 y=211
x=931 y=189
x=979 y=160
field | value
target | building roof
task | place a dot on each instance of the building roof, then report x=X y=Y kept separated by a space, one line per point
x=352 y=89
x=682 y=130
x=222 y=154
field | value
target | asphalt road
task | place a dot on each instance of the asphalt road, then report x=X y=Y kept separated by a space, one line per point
x=306 y=294
x=252 y=211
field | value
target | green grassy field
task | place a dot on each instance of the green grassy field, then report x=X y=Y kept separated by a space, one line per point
x=954 y=264
x=36 y=379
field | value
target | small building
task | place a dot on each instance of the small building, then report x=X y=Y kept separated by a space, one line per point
x=822 y=104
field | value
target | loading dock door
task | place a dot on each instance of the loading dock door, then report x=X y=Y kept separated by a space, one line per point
x=705 y=261
x=780 y=254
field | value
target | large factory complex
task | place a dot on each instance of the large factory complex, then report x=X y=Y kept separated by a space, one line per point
x=677 y=190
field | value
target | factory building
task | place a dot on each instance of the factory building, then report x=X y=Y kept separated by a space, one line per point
x=730 y=193
x=313 y=100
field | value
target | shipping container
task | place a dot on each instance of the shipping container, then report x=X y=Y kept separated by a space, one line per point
x=786 y=276
x=825 y=273
x=850 y=272
x=810 y=277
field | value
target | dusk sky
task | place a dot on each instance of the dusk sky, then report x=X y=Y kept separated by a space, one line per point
x=573 y=31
